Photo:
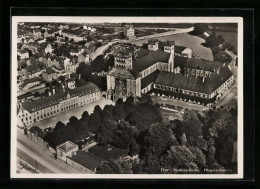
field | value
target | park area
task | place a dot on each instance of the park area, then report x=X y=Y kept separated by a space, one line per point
x=108 y=152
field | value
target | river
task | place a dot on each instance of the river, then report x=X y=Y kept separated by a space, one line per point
x=186 y=40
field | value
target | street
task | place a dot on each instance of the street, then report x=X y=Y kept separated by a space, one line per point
x=36 y=155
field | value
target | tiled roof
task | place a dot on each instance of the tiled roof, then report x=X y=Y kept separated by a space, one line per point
x=149 y=79
x=49 y=71
x=59 y=96
x=196 y=63
x=150 y=59
x=27 y=81
x=74 y=50
x=179 y=49
x=86 y=159
x=67 y=146
x=180 y=81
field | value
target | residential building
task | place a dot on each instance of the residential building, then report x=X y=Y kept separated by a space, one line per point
x=83 y=57
x=48 y=49
x=30 y=83
x=23 y=54
x=70 y=64
x=37 y=34
x=67 y=99
x=49 y=74
x=71 y=83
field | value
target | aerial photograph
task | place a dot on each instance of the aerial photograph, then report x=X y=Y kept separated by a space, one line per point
x=126 y=98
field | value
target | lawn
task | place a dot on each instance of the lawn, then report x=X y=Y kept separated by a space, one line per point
x=108 y=152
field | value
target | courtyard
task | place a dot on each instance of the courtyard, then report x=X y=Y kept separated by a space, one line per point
x=77 y=112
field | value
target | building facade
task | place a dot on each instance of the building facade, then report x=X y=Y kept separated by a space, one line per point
x=43 y=108
x=160 y=71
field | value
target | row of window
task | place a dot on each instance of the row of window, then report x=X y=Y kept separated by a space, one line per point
x=179 y=90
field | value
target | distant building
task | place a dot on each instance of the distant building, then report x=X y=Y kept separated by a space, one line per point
x=70 y=64
x=37 y=110
x=129 y=31
x=23 y=54
x=48 y=49
x=30 y=83
x=71 y=83
x=49 y=74
x=34 y=70
x=83 y=57
x=37 y=34
x=65 y=150
x=153 y=44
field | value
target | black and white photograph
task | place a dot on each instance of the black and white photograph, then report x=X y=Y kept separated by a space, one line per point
x=127 y=97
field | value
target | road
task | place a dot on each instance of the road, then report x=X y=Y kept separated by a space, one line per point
x=30 y=152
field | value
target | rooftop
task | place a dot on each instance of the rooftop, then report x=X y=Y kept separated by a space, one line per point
x=150 y=59
x=86 y=159
x=147 y=80
x=196 y=63
x=178 y=80
x=67 y=146
x=27 y=81
x=59 y=96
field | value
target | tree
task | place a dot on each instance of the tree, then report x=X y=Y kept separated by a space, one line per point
x=191 y=125
x=119 y=102
x=119 y=113
x=98 y=110
x=110 y=167
x=200 y=158
x=158 y=139
x=106 y=132
x=94 y=122
x=124 y=135
x=59 y=125
x=85 y=117
x=179 y=157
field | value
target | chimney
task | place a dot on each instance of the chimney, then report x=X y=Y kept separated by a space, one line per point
x=53 y=90
x=79 y=76
x=49 y=93
x=203 y=79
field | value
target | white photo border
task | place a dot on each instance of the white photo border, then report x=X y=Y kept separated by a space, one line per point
x=123 y=19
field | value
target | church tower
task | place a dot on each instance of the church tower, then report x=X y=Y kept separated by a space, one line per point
x=169 y=47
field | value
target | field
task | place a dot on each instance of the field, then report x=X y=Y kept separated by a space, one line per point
x=108 y=152
x=228 y=36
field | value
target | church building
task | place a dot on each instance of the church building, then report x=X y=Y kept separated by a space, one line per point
x=158 y=70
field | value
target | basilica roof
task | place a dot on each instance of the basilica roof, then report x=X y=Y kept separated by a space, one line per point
x=191 y=83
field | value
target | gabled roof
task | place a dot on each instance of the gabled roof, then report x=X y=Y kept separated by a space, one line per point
x=210 y=84
x=149 y=79
x=59 y=96
x=196 y=63
x=86 y=159
x=150 y=59
x=27 y=81
x=179 y=49
x=49 y=71
x=74 y=50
